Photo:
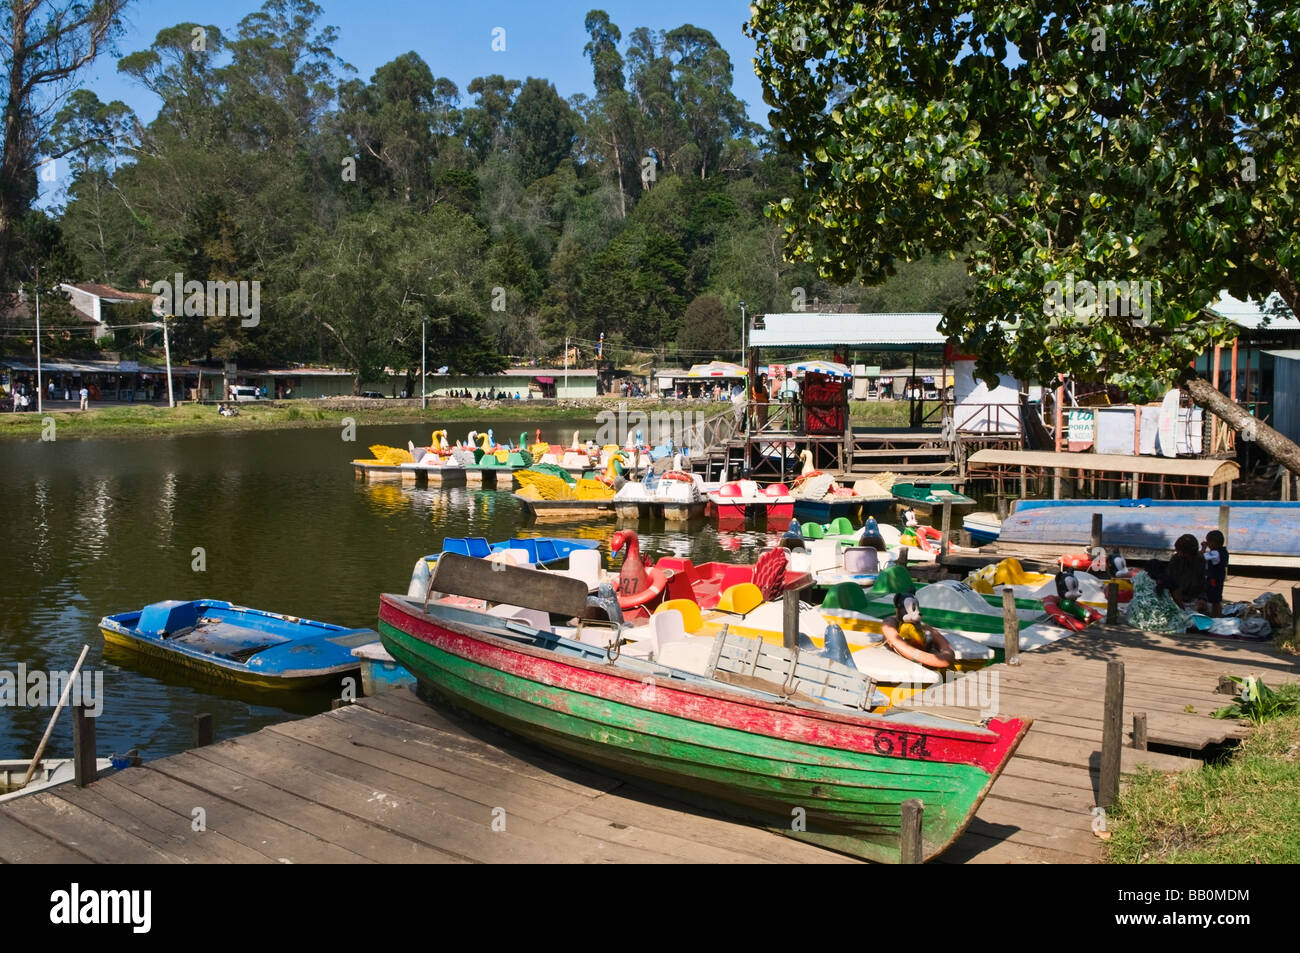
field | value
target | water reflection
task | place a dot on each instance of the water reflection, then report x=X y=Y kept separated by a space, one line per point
x=104 y=526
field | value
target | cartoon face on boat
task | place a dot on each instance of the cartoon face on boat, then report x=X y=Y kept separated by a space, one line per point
x=907 y=606
x=1067 y=586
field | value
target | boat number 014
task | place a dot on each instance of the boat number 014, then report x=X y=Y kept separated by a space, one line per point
x=886 y=744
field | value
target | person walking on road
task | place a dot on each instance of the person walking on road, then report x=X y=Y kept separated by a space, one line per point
x=85 y=398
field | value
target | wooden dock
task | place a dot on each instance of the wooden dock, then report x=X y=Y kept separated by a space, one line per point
x=1041 y=809
x=392 y=779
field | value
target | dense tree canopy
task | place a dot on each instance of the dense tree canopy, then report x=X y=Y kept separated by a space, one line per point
x=1148 y=149
x=509 y=218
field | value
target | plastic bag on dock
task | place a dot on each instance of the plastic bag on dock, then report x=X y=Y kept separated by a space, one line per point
x=1154 y=612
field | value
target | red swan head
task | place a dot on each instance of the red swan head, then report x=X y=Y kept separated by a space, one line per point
x=632 y=577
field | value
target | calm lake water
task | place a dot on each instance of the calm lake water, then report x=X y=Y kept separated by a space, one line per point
x=96 y=527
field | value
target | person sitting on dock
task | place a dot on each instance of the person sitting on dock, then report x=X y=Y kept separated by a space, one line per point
x=1215 y=554
x=1184 y=575
x=911 y=638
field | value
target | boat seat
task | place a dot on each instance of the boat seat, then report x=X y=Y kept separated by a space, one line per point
x=840 y=526
x=533 y=617
x=812 y=531
x=741 y=598
x=665 y=627
x=687 y=609
x=825 y=554
x=848 y=596
x=456 y=545
x=689 y=655
x=800 y=562
x=478 y=547
x=584 y=564
x=739 y=659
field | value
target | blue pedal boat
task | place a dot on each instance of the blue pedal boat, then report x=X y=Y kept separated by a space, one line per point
x=234 y=643
x=542 y=551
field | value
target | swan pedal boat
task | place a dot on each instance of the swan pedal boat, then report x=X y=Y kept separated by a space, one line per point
x=753 y=745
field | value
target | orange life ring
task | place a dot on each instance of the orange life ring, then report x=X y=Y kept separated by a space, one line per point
x=1075 y=561
x=678 y=475
x=915 y=653
x=641 y=603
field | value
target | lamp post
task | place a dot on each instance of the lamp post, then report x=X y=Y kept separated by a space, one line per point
x=742 y=332
x=167 y=351
x=424 y=330
x=40 y=392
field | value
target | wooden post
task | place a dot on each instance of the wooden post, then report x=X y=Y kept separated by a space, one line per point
x=909 y=831
x=1137 y=484
x=1010 y=627
x=902 y=557
x=1060 y=400
x=1096 y=533
x=202 y=730
x=1056 y=483
x=1112 y=602
x=1140 y=730
x=1024 y=481
x=945 y=527
x=1214 y=379
x=1112 y=731
x=1295 y=615
x=1224 y=514
x=83 y=745
x=1002 y=507
x=790 y=619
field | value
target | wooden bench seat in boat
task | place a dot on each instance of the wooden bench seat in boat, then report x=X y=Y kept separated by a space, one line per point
x=739 y=660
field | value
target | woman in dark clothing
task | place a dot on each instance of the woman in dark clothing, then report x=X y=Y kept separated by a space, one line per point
x=1184 y=576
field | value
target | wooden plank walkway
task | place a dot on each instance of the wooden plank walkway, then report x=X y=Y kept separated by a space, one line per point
x=1041 y=808
x=389 y=779
x=392 y=779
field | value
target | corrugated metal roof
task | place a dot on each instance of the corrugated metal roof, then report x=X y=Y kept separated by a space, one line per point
x=817 y=329
x=1285 y=355
x=1250 y=315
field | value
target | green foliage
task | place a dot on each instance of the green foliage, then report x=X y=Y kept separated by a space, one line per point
x=1257 y=703
x=1151 y=143
x=708 y=330
x=1241 y=811
x=364 y=205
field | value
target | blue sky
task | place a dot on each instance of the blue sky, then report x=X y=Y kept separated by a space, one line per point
x=543 y=38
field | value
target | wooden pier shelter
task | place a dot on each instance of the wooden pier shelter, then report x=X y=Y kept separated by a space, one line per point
x=780 y=431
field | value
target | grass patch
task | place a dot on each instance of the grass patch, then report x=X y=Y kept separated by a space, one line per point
x=1245 y=810
x=886 y=413
x=146 y=420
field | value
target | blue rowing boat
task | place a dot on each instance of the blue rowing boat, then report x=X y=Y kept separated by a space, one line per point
x=235 y=643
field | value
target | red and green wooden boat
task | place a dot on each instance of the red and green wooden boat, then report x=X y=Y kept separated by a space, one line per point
x=843 y=772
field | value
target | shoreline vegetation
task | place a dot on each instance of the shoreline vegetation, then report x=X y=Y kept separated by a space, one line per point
x=1239 y=811
x=141 y=420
